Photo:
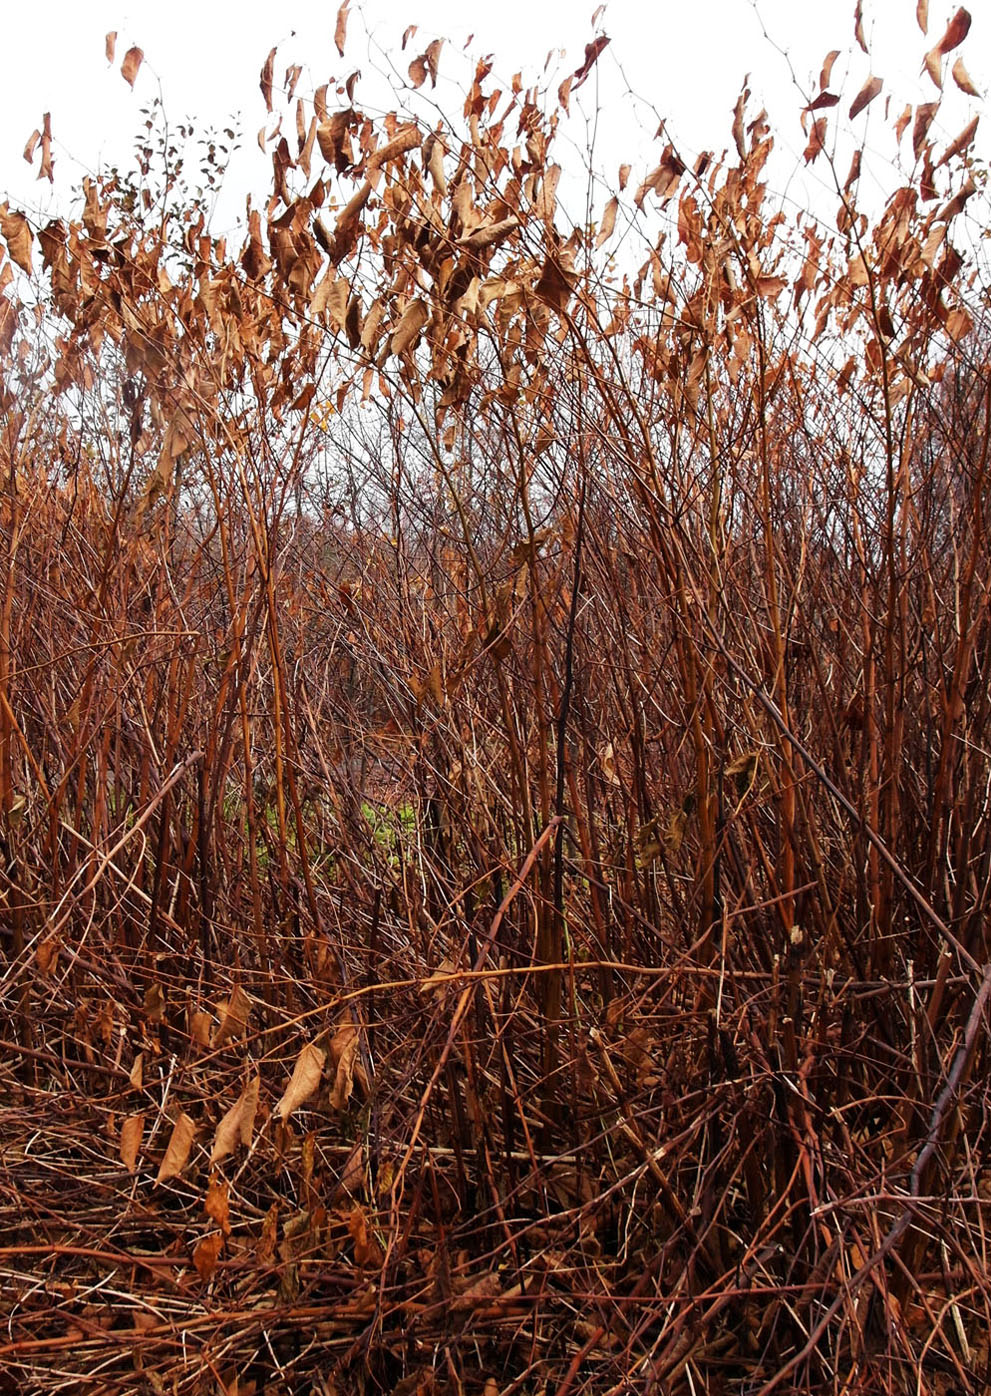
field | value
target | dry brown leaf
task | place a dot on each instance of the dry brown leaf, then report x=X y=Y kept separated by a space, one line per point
x=136 y=1076
x=154 y=1002
x=418 y=70
x=237 y=1126
x=865 y=96
x=17 y=235
x=924 y=114
x=742 y=770
x=962 y=142
x=674 y=831
x=352 y=1177
x=411 y=323
x=177 y=1153
x=817 y=140
x=216 y=1204
x=827 y=67
x=554 y=286
x=349 y=213
x=130 y=1140
x=858 y=25
x=199 y=1029
x=592 y=52
x=738 y=135
x=206 y=1255
x=922 y=15
x=857 y=272
x=110 y=45
x=933 y=65
x=372 y=327
x=959 y=324
x=956 y=31
x=608 y=223
x=406 y=139
x=491 y=235
x=233 y=1014
x=265 y=81
x=367 y=1251
x=343 y=1053
x=341 y=27
x=432 y=56
x=46 y=171
x=304 y=1080
x=47 y=952
x=132 y=62
x=607 y=760
x=958 y=202
x=963 y=79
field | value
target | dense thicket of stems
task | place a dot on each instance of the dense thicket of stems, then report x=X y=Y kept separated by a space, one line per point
x=494 y=777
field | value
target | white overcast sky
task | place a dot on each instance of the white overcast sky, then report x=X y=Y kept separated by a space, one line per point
x=687 y=60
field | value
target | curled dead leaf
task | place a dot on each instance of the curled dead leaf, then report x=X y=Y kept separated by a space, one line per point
x=865 y=96
x=352 y=1177
x=817 y=141
x=607 y=760
x=237 y=1126
x=177 y=1152
x=130 y=1140
x=491 y=234
x=406 y=139
x=674 y=832
x=592 y=52
x=17 y=235
x=410 y=325
x=925 y=113
x=47 y=953
x=555 y=285
x=199 y=1029
x=265 y=81
x=233 y=1014
x=367 y=1251
x=858 y=25
x=206 y=1255
x=341 y=27
x=133 y=59
x=216 y=1204
x=827 y=67
x=154 y=1002
x=962 y=142
x=304 y=1080
x=432 y=56
x=932 y=63
x=963 y=79
x=608 y=222
x=956 y=31
x=743 y=772
x=348 y=1069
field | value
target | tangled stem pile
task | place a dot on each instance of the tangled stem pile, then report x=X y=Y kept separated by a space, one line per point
x=494 y=772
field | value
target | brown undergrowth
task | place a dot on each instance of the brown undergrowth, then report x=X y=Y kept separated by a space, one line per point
x=494 y=740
